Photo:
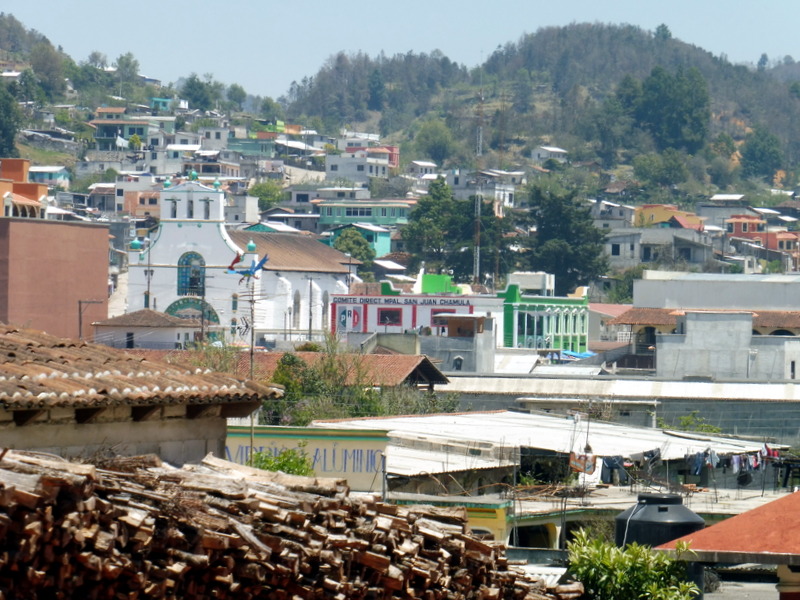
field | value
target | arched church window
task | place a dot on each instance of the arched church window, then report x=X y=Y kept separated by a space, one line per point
x=191 y=275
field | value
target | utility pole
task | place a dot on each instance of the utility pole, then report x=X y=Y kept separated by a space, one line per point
x=80 y=314
x=310 y=304
x=476 y=255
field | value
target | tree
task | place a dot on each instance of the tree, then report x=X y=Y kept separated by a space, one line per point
x=127 y=71
x=663 y=33
x=97 y=60
x=351 y=242
x=761 y=154
x=48 y=65
x=268 y=192
x=135 y=142
x=237 y=95
x=377 y=90
x=567 y=244
x=10 y=121
x=435 y=141
x=198 y=92
x=271 y=110
x=635 y=572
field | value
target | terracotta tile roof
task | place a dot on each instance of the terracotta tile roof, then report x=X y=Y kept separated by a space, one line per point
x=293 y=252
x=645 y=316
x=612 y=310
x=767 y=530
x=22 y=200
x=111 y=110
x=669 y=316
x=41 y=371
x=148 y=318
x=388 y=370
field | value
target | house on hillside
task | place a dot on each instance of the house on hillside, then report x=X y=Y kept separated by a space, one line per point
x=542 y=154
x=75 y=400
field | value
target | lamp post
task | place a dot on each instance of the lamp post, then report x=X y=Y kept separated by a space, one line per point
x=349 y=272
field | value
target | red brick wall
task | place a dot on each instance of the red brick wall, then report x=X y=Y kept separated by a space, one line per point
x=46 y=267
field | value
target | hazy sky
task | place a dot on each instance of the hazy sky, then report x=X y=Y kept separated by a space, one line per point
x=264 y=45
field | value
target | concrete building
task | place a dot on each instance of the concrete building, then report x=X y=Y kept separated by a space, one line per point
x=53 y=274
x=359 y=166
x=147 y=329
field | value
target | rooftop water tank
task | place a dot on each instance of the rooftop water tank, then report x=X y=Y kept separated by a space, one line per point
x=656 y=519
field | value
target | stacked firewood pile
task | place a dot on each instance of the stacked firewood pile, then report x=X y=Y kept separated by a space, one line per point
x=135 y=528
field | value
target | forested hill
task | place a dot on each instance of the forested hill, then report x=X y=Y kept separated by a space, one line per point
x=547 y=86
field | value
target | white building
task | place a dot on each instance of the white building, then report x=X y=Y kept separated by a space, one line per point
x=185 y=271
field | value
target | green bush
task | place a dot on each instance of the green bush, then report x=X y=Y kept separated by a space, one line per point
x=635 y=572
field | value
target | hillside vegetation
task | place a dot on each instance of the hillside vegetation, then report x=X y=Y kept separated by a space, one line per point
x=671 y=118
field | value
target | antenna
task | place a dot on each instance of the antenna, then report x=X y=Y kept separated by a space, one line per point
x=476 y=256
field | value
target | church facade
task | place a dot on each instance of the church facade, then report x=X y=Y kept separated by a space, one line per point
x=243 y=286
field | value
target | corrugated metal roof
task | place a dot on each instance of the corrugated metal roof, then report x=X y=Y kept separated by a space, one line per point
x=147 y=318
x=614 y=388
x=41 y=371
x=558 y=434
x=401 y=460
x=293 y=252
x=669 y=316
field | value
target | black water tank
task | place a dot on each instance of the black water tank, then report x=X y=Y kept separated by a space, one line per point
x=656 y=519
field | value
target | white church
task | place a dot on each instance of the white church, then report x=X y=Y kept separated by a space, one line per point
x=243 y=286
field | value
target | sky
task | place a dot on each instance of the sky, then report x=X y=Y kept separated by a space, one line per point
x=264 y=45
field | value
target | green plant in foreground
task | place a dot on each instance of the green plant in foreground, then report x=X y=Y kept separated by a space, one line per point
x=635 y=572
x=294 y=461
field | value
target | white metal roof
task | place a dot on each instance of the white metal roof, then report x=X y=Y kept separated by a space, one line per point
x=423 y=163
x=508 y=362
x=388 y=264
x=479 y=432
x=401 y=460
x=553 y=149
x=53 y=169
x=724 y=197
x=280 y=226
x=184 y=147
x=764 y=211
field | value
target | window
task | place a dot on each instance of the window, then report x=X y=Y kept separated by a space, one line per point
x=614 y=249
x=234 y=302
x=153 y=155
x=173 y=210
x=329 y=211
x=301 y=198
x=334 y=167
x=154 y=141
x=141 y=201
x=383 y=212
x=191 y=275
x=455 y=180
x=207 y=210
x=208 y=135
x=217 y=135
x=120 y=192
x=359 y=167
x=152 y=201
x=390 y=316
x=744 y=227
x=190 y=209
